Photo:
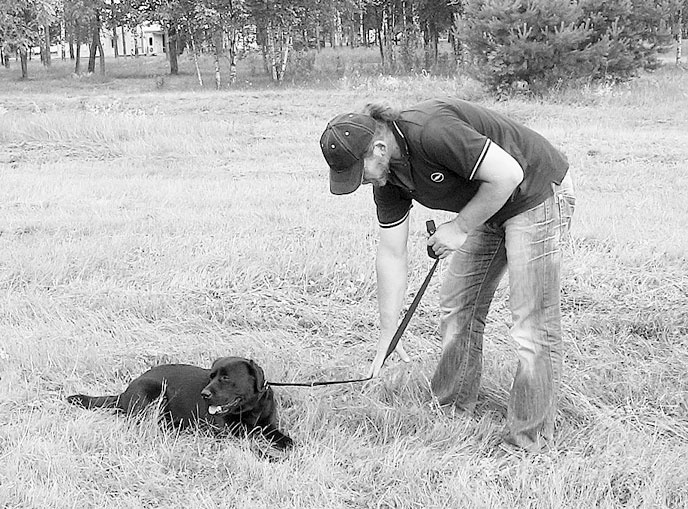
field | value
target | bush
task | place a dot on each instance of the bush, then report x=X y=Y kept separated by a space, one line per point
x=540 y=44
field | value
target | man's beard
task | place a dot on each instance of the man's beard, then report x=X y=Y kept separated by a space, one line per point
x=380 y=181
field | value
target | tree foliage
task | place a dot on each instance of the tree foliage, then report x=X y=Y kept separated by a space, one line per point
x=19 y=28
x=537 y=42
x=542 y=43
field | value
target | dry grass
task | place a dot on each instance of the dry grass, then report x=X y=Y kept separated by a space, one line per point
x=140 y=226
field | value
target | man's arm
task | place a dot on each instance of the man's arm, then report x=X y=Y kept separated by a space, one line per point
x=392 y=270
x=499 y=175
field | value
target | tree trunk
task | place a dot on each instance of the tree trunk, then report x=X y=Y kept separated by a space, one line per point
x=218 y=75
x=231 y=47
x=76 y=55
x=41 y=43
x=361 y=30
x=23 y=56
x=195 y=58
x=62 y=40
x=271 y=51
x=378 y=31
x=93 y=48
x=114 y=34
x=286 y=46
x=48 y=59
x=172 y=50
x=337 y=28
x=101 y=60
x=217 y=43
x=124 y=43
x=679 y=36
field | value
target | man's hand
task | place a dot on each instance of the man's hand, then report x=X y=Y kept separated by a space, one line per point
x=380 y=359
x=448 y=238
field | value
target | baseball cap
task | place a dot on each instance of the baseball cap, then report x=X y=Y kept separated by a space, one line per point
x=344 y=144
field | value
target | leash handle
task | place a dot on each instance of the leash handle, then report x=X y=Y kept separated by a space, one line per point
x=430 y=226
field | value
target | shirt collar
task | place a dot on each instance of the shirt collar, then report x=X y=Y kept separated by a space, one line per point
x=401 y=166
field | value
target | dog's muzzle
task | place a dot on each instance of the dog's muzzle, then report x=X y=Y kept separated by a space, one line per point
x=223 y=409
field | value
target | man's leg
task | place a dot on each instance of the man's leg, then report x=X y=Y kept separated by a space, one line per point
x=469 y=285
x=534 y=259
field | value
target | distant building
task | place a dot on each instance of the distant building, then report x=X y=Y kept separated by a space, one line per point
x=145 y=39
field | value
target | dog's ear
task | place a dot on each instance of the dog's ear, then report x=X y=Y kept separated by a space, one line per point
x=258 y=375
x=212 y=366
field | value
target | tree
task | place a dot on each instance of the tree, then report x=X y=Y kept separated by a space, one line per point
x=220 y=21
x=545 y=43
x=19 y=29
x=83 y=22
x=176 y=17
x=96 y=44
x=275 y=21
x=436 y=16
x=677 y=30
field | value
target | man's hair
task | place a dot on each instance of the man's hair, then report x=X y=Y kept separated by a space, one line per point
x=384 y=115
x=382 y=112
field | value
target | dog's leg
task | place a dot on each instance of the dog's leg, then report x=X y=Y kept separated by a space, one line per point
x=279 y=440
x=141 y=393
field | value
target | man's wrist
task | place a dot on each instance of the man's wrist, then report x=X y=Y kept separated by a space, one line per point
x=461 y=223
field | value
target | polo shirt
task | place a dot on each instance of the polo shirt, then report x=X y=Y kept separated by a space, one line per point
x=443 y=142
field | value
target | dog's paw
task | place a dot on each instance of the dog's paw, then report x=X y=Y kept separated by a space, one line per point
x=268 y=452
x=78 y=400
x=282 y=443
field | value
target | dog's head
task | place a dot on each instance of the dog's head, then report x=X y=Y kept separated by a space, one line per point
x=235 y=384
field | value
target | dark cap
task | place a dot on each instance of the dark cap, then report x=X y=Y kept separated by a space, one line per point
x=344 y=144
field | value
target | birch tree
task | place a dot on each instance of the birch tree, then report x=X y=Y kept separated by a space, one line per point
x=220 y=21
x=275 y=22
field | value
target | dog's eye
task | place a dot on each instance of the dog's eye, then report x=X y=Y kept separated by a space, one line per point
x=226 y=378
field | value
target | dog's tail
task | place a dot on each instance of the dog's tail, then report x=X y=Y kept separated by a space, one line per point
x=93 y=401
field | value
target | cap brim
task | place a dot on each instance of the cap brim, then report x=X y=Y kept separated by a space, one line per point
x=346 y=181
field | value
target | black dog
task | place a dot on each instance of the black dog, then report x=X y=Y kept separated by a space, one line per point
x=231 y=395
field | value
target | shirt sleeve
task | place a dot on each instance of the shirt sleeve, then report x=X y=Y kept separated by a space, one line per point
x=392 y=205
x=455 y=145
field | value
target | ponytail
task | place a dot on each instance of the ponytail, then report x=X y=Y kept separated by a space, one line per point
x=382 y=112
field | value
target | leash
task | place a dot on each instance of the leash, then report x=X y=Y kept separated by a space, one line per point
x=430 y=225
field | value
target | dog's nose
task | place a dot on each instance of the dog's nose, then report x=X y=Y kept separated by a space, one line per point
x=205 y=394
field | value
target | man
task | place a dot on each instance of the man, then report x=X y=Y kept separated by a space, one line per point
x=513 y=197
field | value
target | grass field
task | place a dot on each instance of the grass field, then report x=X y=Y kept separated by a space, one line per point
x=143 y=223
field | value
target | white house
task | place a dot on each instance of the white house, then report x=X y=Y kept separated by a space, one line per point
x=145 y=39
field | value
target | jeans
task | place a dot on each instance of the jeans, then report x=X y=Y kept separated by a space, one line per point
x=528 y=246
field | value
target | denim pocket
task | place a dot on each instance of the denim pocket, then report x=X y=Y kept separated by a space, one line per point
x=566 y=203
